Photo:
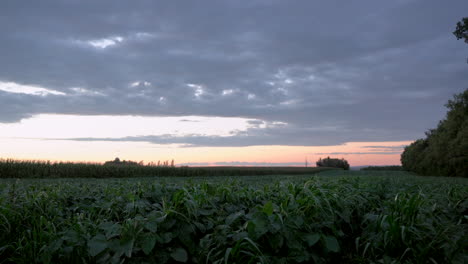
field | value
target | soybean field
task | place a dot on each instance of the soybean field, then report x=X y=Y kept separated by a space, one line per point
x=332 y=217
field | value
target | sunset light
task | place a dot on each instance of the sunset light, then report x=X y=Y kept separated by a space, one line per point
x=224 y=131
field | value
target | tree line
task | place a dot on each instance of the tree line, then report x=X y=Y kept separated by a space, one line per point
x=444 y=151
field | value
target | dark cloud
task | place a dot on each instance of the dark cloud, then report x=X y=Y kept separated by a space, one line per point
x=361 y=153
x=332 y=71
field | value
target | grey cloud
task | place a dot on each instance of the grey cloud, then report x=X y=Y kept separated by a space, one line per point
x=386 y=148
x=361 y=153
x=334 y=71
x=254 y=136
x=189 y=120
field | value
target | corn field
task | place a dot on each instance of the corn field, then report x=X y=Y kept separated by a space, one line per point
x=45 y=169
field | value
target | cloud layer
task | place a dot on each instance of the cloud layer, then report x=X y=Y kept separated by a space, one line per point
x=331 y=72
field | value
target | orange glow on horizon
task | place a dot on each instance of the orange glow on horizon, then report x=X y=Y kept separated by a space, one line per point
x=356 y=153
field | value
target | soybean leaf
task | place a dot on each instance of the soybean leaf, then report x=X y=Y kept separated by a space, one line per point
x=276 y=241
x=111 y=229
x=206 y=212
x=164 y=238
x=268 y=208
x=152 y=226
x=331 y=243
x=97 y=245
x=312 y=239
x=127 y=246
x=53 y=246
x=233 y=217
x=240 y=236
x=180 y=255
x=200 y=226
x=147 y=244
x=257 y=226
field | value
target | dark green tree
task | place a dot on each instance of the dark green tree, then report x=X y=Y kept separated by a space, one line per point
x=333 y=163
x=444 y=151
x=117 y=161
x=461 y=32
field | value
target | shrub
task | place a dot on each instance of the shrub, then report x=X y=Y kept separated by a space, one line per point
x=333 y=163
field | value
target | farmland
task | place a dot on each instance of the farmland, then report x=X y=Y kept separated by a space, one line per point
x=332 y=217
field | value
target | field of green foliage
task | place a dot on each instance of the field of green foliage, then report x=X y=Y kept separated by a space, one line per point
x=335 y=217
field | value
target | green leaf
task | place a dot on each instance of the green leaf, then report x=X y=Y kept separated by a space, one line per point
x=206 y=212
x=268 y=208
x=126 y=247
x=164 y=238
x=226 y=255
x=233 y=217
x=240 y=236
x=97 y=245
x=161 y=219
x=331 y=243
x=298 y=220
x=53 y=246
x=276 y=241
x=312 y=239
x=148 y=244
x=180 y=255
x=151 y=226
x=257 y=226
x=111 y=229
x=200 y=226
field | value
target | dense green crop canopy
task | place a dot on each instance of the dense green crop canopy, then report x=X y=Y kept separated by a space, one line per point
x=335 y=217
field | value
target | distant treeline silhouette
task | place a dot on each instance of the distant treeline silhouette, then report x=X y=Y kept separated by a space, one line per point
x=117 y=161
x=383 y=168
x=444 y=151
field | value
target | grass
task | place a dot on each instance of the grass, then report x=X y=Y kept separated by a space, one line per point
x=335 y=217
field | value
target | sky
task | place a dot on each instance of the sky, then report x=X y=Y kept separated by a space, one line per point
x=225 y=82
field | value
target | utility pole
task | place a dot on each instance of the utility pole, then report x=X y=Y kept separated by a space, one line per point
x=306 y=162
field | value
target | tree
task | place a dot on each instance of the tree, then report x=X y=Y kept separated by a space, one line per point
x=117 y=161
x=461 y=32
x=444 y=150
x=333 y=163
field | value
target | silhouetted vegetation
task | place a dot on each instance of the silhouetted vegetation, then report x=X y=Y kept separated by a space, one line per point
x=461 y=32
x=333 y=163
x=45 y=169
x=444 y=151
x=117 y=161
x=383 y=168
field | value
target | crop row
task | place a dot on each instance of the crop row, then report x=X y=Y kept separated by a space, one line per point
x=41 y=169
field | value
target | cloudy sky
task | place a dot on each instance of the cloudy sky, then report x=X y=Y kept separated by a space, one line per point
x=225 y=82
